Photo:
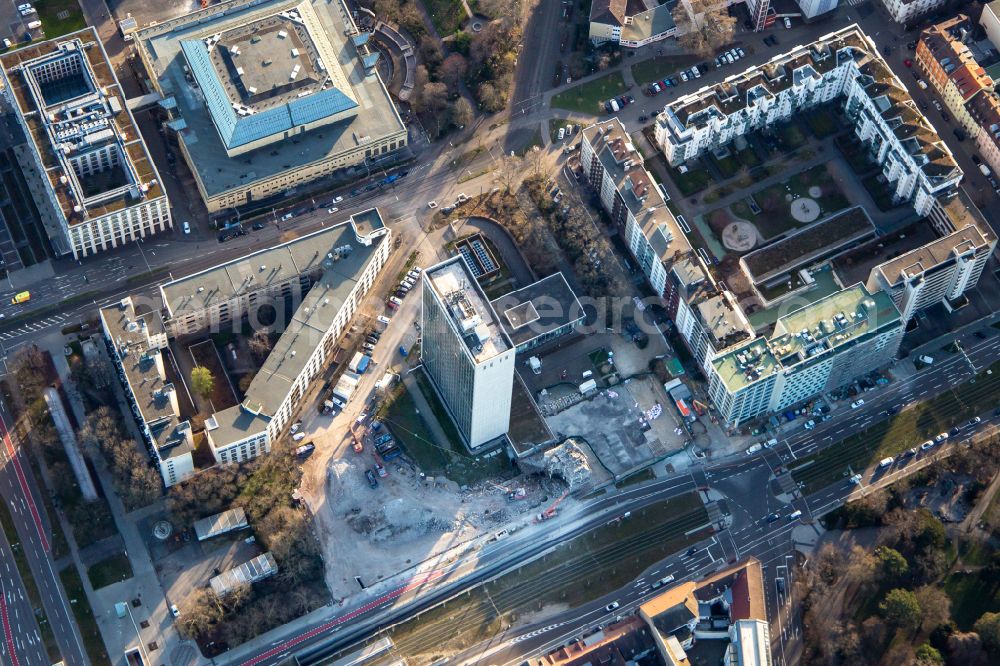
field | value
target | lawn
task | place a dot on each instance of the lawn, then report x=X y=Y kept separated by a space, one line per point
x=791 y=137
x=411 y=431
x=578 y=571
x=692 y=182
x=776 y=206
x=660 y=67
x=446 y=15
x=78 y=601
x=110 y=570
x=728 y=165
x=60 y=17
x=972 y=595
x=909 y=428
x=555 y=125
x=589 y=97
x=21 y=562
x=822 y=123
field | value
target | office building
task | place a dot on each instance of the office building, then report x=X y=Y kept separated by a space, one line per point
x=630 y=23
x=325 y=275
x=266 y=95
x=137 y=344
x=539 y=313
x=89 y=172
x=466 y=352
x=942 y=270
x=949 y=67
x=817 y=348
x=907 y=12
x=842 y=66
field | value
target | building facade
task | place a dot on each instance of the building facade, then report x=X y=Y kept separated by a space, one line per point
x=985 y=110
x=91 y=175
x=944 y=269
x=630 y=23
x=845 y=66
x=466 y=353
x=990 y=20
x=813 y=8
x=906 y=12
x=817 y=348
x=289 y=86
x=137 y=344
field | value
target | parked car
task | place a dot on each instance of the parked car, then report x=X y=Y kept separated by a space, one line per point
x=257 y=226
x=661 y=582
x=788 y=23
x=740 y=52
x=928 y=445
x=187 y=228
x=372 y=481
x=857 y=403
x=287 y=216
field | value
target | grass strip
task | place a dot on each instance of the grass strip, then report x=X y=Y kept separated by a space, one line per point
x=894 y=435
x=78 y=601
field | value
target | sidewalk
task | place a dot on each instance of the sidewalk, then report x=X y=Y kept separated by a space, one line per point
x=120 y=634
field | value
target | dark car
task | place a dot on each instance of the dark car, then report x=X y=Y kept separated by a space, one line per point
x=959 y=133
x=691 y=551
x=257 y=226
x=773 y=517
x=372 y=481
x=976 y=160
x=981 y=335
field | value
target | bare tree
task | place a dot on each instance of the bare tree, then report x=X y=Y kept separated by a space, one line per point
x=260 y=344
x=704 y=26
x=508 y=170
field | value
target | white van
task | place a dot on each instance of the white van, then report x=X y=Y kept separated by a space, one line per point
x=562 y=133
x=794 y=515
x=885 y=462
x=754 y=448
x=34 y=25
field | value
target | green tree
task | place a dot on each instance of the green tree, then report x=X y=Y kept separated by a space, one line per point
x=988 y=628
x=202 y=381
x=901 y=608
x=928 y=656
x=894 y=565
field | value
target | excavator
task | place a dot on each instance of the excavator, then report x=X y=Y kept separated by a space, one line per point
x=551 y=511
x=512 y=495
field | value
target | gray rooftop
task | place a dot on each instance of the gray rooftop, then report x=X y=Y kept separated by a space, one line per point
x=220 y=523
x=471 y=314
x=374 y=117
x=538 y=308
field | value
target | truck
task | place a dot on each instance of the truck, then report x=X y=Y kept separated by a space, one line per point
x=390 y=453
x=359 y=363
x=346 y=386
x=985 y=170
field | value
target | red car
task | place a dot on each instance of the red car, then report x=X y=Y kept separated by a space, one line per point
x=908 y=62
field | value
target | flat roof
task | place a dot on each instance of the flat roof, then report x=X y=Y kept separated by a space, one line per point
x=220 y=523
x=267 y=267
x=649 y=23
x=250 y=571
x=933 y=254
x=818 y=328
x=538 y=308
x=470 y=313
x=374 y=118
x=75 y=114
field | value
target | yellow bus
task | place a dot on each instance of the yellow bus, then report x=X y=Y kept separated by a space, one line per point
x=22 y=297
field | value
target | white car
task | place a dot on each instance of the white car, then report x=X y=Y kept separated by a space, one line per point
x=298 y=437
x=940 y=438
x=338 y=199
x=612 y=606
x=382 y=319
x=855 y=480
x=432 y=204
x=286 y=217
x=174 y=610
x=414 y=274
x=788 y=23
x=927 y=446
x=29 y=11
x=361 y=417
x=754 y=448
x=395 y=301
x=187 y=227
x=7 y=43
x=296 y=426
x=333 y=210
x=857 y=403
x=684 y=76
x=741 y=52
x=22 y=7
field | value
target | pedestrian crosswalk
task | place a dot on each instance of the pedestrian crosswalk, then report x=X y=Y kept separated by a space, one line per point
x=855 y=3
x=33 y=327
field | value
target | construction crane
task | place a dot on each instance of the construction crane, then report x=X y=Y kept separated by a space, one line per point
x=551 y=511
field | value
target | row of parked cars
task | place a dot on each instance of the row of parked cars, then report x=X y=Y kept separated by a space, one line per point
x=616 y=104
x=403 y=289
x=729 y=57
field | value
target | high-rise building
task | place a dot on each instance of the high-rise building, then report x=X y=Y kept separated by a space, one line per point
x=91 y=176
x=466 y=353
x=908 y=11
x=844 y=65
x=813 y=8
x=817 y=348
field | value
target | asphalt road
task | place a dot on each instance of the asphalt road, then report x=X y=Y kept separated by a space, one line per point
x=19 y=490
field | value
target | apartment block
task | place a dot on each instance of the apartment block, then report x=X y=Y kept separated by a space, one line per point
x=941 y=271
x=614 y=168
x=813 y=8
x=466 y=352
x=290 y=87
x=325 y=275
x=985 y=110
x=817 y=348
x=906 y=12
x=137 y=343
x=951 y=69
x=843 y=66
x=90 y=175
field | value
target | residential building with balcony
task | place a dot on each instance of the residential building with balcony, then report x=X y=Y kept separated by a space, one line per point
x=91 y=175
x=630 y=23
x=842 y=66
x=985 y=110
x=137 y=344
x=817 y=348
x=943 y=270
